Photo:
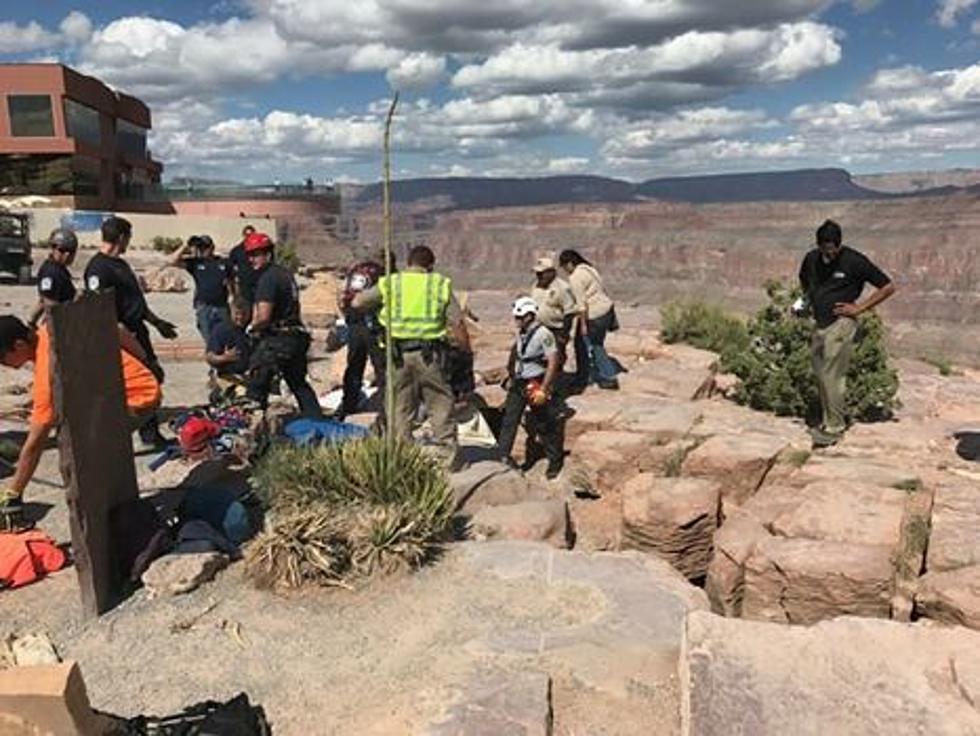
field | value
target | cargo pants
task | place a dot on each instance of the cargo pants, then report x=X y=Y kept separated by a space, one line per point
x=831 y=350
x=421 y=377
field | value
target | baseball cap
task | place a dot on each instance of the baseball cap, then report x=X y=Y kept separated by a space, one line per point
x=545 y=263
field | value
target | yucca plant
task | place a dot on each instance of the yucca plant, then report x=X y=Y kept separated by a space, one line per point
x=344 y=512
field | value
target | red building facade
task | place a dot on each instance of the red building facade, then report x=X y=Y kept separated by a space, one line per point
x=69 y=137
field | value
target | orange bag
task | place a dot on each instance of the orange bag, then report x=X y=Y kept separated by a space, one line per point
x=27 y=556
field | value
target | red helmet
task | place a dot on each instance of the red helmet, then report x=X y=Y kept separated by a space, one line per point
x=255 y=242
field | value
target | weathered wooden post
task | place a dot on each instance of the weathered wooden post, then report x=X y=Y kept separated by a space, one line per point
x=94 y=439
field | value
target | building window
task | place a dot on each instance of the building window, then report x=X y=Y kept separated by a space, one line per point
x=84 y=123
x=43 y=175
x=130 y=140
x=30 y=116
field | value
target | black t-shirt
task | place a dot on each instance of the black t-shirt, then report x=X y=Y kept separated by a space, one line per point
x=278 y=287
x=841 y=280
x=54 y=282
x=210 y=280
x=225 y=336
x=245 y=276
x=105 y=272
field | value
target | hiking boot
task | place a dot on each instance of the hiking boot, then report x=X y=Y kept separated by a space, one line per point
x=553 y=471
x=611 y=385
x=823 y=439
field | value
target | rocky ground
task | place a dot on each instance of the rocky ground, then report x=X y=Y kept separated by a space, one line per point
x=726 y=579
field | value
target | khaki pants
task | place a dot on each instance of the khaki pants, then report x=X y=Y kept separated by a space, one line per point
x=415 y=381
x=831 y=349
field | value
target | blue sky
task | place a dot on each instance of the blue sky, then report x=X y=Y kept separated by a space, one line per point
x=259 y=90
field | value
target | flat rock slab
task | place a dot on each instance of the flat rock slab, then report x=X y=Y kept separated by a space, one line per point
x=181 y=573
x=500 y=703
x=662 y=421
x=669 y=377
x=530 y=521
x=845 y=511
x=732 y=544
x=674 y=518
x=633 y=643
x=490 y=483
x=739 y=462
x=955 y=538
x=609 y=457
x=952 y=597
x=858 y=469
x=802 y=581
x=847 y=676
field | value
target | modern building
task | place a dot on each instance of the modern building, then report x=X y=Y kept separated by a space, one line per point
x=68 y=137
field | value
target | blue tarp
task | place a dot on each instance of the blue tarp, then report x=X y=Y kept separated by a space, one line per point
x=308 y=432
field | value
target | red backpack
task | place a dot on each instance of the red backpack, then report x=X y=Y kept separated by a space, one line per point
x=27 y=556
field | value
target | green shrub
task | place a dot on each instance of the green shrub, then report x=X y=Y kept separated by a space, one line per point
x=941 y=363
x=773 y=362
x=345 y=512
x=287 y=257
x=165 y=244
x=704 y=326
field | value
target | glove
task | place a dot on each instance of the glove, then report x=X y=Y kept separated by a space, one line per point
x=536 y=395
x=166 y=329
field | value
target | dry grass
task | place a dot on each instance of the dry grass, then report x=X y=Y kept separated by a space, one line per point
x=347 y=512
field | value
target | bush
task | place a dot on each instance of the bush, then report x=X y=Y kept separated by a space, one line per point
x=772 y=358
x=165 y=244
x=287 y=258
x=703 y=326
x=345 y=512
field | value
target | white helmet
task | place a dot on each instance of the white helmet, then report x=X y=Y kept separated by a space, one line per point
x=525 y=306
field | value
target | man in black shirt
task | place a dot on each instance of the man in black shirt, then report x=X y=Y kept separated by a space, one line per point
x=108 y=270
x=833 y=277
x=211 y=275
x=283 y=340
x=245 y=277
x=54 y=284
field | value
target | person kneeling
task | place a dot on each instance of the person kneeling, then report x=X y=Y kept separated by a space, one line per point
x=228 y=353
x=19 y=345
x=533 y=367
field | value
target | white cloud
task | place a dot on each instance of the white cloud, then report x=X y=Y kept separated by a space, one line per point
x=568 y=165
x=417 y=71
x=949 y=10
x=15 y=39
x=75 y=28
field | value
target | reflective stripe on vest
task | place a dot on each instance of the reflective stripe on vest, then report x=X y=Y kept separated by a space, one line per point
x=418 y=304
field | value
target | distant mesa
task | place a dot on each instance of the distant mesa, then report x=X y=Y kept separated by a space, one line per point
x=821 y=185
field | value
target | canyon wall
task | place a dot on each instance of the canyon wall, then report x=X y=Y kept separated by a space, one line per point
x=657 y=251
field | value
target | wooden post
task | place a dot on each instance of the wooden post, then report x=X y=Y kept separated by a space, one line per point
x=93 y=439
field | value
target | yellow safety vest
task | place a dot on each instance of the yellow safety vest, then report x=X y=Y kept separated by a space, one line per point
x=418 y=303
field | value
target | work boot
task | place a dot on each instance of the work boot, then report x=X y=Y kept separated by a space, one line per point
x=823 y=439
x=610 y=385
x=553 y=471
x=151 y=437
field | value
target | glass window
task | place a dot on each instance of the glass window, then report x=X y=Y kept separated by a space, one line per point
x=30 y=115
x=43 y=175
x=83 y=123
x=130 y=139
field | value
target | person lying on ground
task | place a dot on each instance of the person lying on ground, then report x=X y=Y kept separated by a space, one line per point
x=20 y=345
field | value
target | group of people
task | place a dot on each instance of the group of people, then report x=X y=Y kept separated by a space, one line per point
x=248 y=313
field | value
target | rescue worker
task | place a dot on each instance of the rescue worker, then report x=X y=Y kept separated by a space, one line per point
x=282 y=340
x=833 y=277
x=109 y=270
x=423 y=312
x=557 y=306
x=592 y=362
x=212 y=276
x=363 y=337
x=244 y=276
x=54 y=284
x=20 y=345
x=533 y=368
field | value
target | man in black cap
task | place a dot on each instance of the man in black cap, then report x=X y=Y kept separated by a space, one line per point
x=211 y=276
x=244 y=276
x=54 y=284
x=109 y=270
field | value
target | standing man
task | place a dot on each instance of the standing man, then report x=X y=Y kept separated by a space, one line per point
x=363 y=341
x=282 y=339
x=533 y=368
x=109 y=270
x=423 y=312
x=54 y=284
x=557 y=306
x=244 y=276
x=211 y=275
x=833 y=277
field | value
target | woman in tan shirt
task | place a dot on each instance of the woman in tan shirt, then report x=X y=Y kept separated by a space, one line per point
x=598 y=318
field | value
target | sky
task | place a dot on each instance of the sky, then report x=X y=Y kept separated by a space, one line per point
x=266 y=90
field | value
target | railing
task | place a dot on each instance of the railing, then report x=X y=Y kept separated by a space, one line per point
x=244 y=191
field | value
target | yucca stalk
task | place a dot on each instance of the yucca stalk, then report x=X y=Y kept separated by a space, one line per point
x=387 y=236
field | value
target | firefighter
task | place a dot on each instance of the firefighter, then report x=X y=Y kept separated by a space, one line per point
x=363 y=342
x=54 y=284
x=281 y=339
x=534 y=365
x=423 y=312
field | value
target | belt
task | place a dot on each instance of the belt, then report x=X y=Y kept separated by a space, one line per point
x=409 y=346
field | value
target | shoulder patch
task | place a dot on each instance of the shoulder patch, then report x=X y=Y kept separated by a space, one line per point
x=93 y=282
x=548 y=340
x=46 y=283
